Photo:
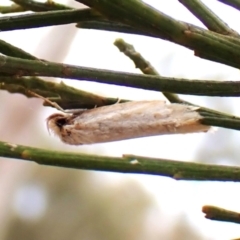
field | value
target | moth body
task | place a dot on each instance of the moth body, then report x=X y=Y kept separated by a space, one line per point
x=125 y=121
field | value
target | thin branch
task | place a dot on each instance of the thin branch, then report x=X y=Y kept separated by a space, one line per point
x=208 y=17
x=14 y=8
x=106 y=25
x=220 y=214
x=156 y=23
x=143 y=65
x=37 y=6
x=43 y=19
x=233 y=3
x=65 y=96
x=10 y=50
x=22 y=67
x=126 y=164
x=229 y=123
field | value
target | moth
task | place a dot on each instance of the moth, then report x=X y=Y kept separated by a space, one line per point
x=122 y=121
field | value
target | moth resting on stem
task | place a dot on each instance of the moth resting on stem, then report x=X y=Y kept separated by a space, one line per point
x=122 y=121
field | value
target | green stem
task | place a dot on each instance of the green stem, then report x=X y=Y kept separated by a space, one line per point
x=147 y=19
x=126 y=164
x=11 y=9
x=110 y=26
x=144 y=65
x=39 y=7
x=10 y=50
x=208 y=17
x=229 y=123
x=22 y=67
x=220 y=214
x=43 y=19
x=65 y=96
x=233 y=3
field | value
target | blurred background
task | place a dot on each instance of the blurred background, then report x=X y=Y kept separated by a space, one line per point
x=42 y=202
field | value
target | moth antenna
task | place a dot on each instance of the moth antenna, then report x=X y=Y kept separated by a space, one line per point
x=53 y=104
x=118 y=101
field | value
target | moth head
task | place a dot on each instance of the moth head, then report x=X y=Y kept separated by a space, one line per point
x=55 y=122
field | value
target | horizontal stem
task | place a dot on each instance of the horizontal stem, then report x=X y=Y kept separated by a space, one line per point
x=111 y=26
x=230 y=123
x=65 y=96
x=126 y=164
x=220 y=214
x=37 y=6
x=22 y=67
x=43 y=19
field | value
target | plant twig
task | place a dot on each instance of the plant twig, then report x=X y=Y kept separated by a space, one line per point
x=37 y=6
x=143 y=65
x=43 y=19
x=110 y=26
x=22 y=67
x=229 y=123
x=126 y=164
x=220 y=214
x=162 y=26
x=65 y=96
x=233 y=3
x=208 y=17
x=10 y=50
x=11 y=9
